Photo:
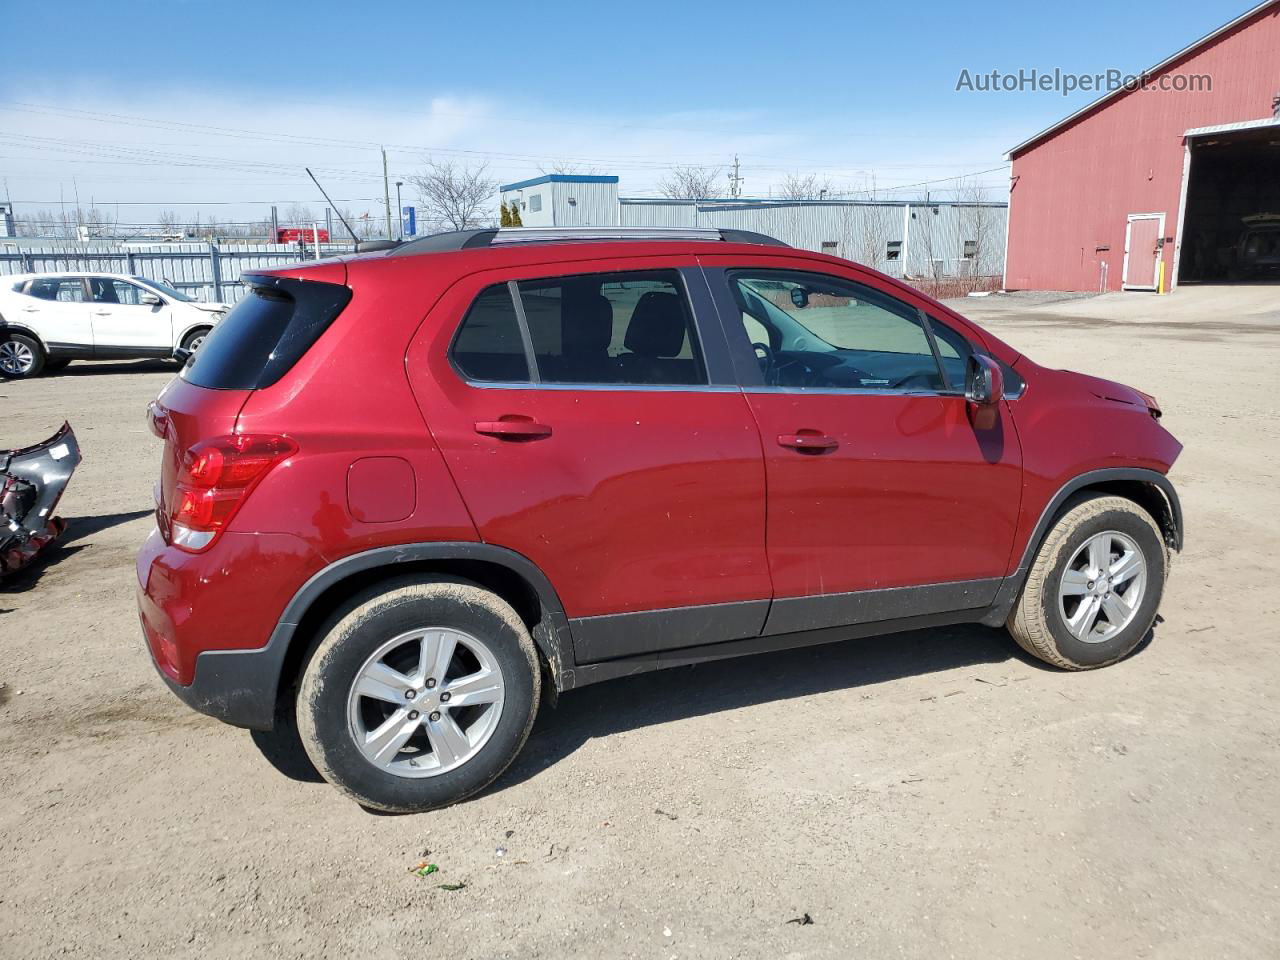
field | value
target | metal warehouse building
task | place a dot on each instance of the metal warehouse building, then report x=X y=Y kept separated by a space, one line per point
x=1179 y=178
x=915 y=239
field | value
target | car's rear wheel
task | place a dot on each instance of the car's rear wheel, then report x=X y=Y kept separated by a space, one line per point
x=21 y=356
x=1094 y=588
x=419 y=694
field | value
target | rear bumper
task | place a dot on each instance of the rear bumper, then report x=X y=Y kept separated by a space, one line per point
x=209 y=620
x=236 y=687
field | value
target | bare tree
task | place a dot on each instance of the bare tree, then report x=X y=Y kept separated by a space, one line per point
x=691 y=183
x=808 y=187
x=453 y=194
x=565 y=167
x=298 y=215
x=980 y=236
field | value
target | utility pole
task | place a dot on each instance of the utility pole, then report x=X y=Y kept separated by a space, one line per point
x=735 y=180
x=386 y=192
x=400 y=208
x=275 y=225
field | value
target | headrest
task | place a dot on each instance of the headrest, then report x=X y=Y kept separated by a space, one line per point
x=586 y=325
x=657 y=327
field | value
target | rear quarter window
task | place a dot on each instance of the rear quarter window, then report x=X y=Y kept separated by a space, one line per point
x=265 y=334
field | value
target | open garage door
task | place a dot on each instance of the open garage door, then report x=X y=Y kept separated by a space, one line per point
x=1231 y=230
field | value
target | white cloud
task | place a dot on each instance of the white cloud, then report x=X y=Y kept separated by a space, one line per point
x=235 y=154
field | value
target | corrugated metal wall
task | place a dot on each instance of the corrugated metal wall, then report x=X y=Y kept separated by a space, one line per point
x=932 y=243
x=201 y=270
x=585 y=204
x=1073 y=191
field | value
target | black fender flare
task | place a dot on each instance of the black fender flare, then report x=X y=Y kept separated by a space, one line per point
x=241 y=687
x=1012 y=585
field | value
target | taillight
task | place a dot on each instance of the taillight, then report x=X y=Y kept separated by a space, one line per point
x=214 y=478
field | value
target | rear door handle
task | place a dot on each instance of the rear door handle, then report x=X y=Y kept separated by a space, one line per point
x=522 y=428
x=807 y=441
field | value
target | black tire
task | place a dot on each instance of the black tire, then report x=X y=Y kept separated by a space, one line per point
x=191 y=341
x=353 y=635
x=21 y=356
x=1038 y=620
x=54 y=365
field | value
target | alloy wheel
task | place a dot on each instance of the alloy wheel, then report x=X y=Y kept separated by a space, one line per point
x=1102 y=587
x=425 y=702
x=16 y=359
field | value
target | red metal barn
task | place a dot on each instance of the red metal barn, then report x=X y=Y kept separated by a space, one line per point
x=1169 y=176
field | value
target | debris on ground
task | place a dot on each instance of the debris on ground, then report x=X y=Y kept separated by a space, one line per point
x=803 y=920
x=509 y=834
x=662 y=813
x=453 y=886
x=500 y=852
x=424 y=869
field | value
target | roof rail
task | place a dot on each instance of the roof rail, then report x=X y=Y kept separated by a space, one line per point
x=471 y=239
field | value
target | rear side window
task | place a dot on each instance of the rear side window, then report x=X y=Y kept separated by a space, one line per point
x=489 y=346
x=66 y=290
x=611 y=328
x=265 y=334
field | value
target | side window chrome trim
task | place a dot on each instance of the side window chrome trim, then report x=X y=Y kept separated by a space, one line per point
x=607 y=387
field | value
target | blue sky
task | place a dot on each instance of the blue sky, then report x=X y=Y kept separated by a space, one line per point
x=159 y=105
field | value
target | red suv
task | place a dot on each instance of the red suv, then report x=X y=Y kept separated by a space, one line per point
x=404 y=491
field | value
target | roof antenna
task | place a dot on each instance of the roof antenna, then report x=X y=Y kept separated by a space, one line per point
x=333 y=206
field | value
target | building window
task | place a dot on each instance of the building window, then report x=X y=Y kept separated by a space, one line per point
x=893 y=250
x=970 y=249
x=535 y=203
x=830 y=246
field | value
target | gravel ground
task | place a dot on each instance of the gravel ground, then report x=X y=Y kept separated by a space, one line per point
x=922 y=795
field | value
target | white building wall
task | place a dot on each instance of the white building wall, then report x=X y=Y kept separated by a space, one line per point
x=579 y=204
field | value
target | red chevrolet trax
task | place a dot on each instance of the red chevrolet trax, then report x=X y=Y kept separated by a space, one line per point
x=404 y=491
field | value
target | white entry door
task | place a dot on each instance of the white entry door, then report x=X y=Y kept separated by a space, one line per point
x=1142 y=250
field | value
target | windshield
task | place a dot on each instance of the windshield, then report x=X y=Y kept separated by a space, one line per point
x=164 y=288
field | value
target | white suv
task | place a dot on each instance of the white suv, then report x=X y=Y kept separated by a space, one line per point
x=49 y=319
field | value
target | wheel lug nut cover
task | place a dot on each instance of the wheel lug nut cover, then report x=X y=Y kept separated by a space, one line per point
x=435 y=714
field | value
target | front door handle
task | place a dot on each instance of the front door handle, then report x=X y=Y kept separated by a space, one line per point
x=513 y=428
x=808 y=441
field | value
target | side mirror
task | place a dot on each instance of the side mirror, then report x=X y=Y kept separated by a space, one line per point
x=151 y=300
x=984 y=389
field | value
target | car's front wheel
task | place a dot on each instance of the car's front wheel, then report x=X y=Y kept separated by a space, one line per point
x=1094 y=588
x=419 y=694
x=21 y=356
x=192 y=341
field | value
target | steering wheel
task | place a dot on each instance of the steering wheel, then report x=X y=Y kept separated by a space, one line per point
x=766 y=357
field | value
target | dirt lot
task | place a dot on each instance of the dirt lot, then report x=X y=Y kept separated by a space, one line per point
x=929 y=795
